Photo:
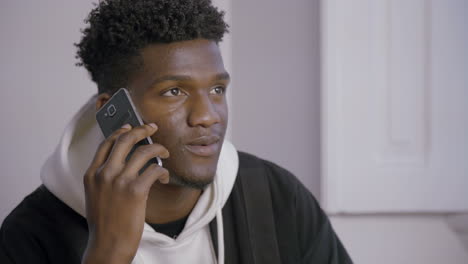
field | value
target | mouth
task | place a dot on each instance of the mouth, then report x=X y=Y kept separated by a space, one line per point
x=205 y=146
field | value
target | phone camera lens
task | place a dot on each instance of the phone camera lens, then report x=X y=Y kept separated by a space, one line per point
x=111 y=110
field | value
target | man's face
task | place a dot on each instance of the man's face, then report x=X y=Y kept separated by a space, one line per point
x=181 y=88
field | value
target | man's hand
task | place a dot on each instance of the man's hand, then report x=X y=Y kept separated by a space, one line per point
x=116 y=194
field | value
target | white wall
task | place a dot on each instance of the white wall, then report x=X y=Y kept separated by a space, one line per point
x=276 y=88
x=41 y=87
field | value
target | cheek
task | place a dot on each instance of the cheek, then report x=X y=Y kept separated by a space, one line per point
x=166 y=117
x=170 y=126
x=224 y=112
x=171 y=130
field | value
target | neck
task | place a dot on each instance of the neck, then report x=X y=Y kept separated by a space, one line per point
x=167 y=203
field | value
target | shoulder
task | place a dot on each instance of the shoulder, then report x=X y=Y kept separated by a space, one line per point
x=39 y=223
x=36 y=209
x=281 y=181
x=302 y=227
x=288 y=195
x=297 y=215
x=19 y=229
x=33 y=206
x=247 y=160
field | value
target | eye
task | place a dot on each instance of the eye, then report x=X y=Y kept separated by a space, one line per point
x=218 y=90
x=172 y=92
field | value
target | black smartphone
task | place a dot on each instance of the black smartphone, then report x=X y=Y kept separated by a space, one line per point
x=118 y=111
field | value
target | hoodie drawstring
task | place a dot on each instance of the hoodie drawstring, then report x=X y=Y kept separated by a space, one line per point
x=219 y=226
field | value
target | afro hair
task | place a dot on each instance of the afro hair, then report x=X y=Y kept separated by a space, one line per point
x=119 y=29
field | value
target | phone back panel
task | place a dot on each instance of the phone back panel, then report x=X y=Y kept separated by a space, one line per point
x=118 y=111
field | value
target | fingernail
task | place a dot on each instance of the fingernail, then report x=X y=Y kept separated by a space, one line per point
x=127 y=126
x=153 y=125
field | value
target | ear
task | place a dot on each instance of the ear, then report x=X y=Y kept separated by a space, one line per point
x=101 y=100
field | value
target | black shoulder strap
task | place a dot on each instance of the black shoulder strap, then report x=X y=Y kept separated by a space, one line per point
x=255 y=189
x=259 y=210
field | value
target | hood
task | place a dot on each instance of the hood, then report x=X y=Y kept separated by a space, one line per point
x=63 y=172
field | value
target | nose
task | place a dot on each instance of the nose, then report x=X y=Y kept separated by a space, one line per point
x=203 y=112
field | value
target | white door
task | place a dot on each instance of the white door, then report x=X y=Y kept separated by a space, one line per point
x=395 y=105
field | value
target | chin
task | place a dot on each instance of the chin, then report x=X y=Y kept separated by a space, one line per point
x=196 y=176
x=188 y=170
x=193 y=181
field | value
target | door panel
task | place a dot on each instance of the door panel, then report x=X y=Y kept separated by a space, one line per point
x=395 y=105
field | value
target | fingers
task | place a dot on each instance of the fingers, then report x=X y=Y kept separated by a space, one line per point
x=105 y=148
x=141 y=156
x=125 y=142
x=109 y=165
x=153 y=173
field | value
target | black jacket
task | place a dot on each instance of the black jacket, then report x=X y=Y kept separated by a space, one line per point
x=270 y=217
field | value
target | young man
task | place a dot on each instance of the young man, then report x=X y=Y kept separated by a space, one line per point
x=209 y=203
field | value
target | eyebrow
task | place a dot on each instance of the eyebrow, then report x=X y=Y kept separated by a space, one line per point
x=218 y=77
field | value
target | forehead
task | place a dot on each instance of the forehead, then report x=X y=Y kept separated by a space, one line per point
x=184 y=57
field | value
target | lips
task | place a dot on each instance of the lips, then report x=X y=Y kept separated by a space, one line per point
x=204 y=146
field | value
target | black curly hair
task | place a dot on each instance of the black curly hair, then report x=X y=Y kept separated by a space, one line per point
x=119 y=29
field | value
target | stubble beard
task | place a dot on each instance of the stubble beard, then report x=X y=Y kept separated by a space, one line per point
x=199 y=184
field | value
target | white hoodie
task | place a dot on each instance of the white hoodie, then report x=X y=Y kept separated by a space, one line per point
x=63 y=172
